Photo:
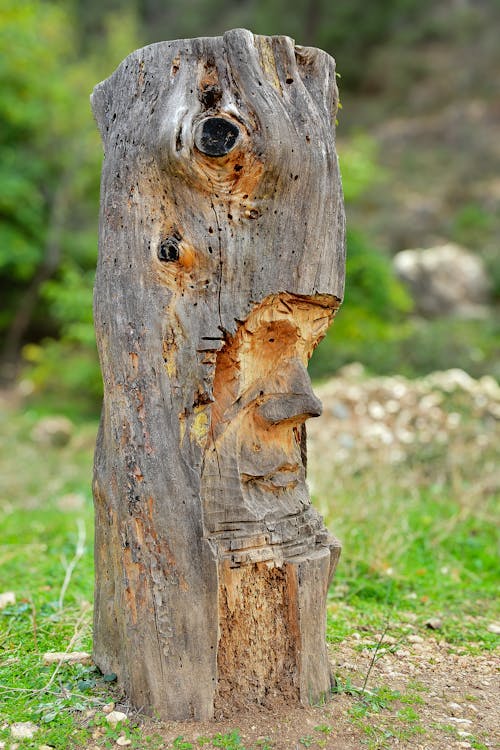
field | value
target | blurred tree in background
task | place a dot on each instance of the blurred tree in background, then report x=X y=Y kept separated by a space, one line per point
x=50 y=156
x=52 y=56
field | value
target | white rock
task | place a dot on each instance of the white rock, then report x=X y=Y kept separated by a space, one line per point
x=72 y=657
x=23 y=730
x=454 y=720
x=494 y=627
x=71 y=502
x=415 y=639
x=55 y=431
x=2 y=745
x=455 y=708
x=8 y=597
x=114 y=717
x=45 y=747
x=434 y=623
x=444 y=280
x=123 y=741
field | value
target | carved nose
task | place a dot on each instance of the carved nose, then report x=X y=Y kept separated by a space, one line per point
x=297 y=404
x=216 y=136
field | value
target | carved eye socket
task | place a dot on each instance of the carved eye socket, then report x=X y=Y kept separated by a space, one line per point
x=168 y=250
x=216 y=136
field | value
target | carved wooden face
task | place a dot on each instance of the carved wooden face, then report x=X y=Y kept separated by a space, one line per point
x=254 y=479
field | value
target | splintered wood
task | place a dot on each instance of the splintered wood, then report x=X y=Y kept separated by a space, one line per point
x=221 y=265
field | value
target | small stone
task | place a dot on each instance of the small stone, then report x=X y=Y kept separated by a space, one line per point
x=23 y=730
x=114 y=717
x=461 y=733
x=455 y=708
x=454 y=720
x=45 y=747
x=463 y=744
x=494 y=627
x=55 y=431
x=415 y=639
x=71 y=502
x=8 y=597
x=2 y=745
x=123 y=741
x=72 y=657
x=108 y=707
x=434 y=623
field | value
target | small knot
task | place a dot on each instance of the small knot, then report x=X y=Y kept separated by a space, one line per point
x=209 y=96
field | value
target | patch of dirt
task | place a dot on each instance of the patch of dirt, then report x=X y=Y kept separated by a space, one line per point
x=448 y=700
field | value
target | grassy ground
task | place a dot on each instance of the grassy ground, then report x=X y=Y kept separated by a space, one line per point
x=419 y=540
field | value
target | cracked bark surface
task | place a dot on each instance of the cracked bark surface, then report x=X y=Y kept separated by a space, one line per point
x=221 y=265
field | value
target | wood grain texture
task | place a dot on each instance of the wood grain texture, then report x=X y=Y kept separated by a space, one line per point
x=221 y=264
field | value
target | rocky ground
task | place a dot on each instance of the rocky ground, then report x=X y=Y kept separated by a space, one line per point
x=389 y=420
x=421 y=694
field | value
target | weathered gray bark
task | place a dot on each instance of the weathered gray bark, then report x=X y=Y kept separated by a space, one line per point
x=221 y=264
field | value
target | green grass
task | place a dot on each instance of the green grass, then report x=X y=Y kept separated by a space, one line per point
x=419 y=542
x=413 y=546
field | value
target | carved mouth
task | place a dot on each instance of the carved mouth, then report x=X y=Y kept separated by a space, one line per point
x=284 y=477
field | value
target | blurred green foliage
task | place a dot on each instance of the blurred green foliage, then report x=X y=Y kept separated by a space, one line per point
x=375 y=302
x=50 y=156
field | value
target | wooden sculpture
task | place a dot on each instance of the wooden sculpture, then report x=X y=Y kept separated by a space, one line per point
x=221 y=265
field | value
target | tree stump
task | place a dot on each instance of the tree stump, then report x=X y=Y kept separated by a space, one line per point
x=221 y=265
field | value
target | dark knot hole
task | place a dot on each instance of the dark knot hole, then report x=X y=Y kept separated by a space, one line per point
x=216 y=136
x=168 y=250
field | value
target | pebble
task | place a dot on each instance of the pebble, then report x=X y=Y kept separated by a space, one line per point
x=8 y=597
x=415 y=639
x=455 y=708
x=123 y=741
x=108 y=708
x=455 y=720
x=45 y=747
x=71 y=502
x=434 y=623
x=54 y=430
x=114 y=717
x=494 y=627
x=23 y=730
